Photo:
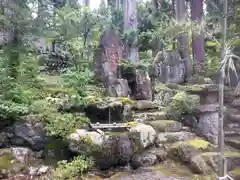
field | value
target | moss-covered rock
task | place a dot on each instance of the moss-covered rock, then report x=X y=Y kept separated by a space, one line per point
x=150 y=116
x=235 y=174
x=108 y=149
x=142 y=136
x=212 y=158
x=144 y=105
x=164 y=94
x=171 y=137
x=11 y=161
x=117 y=109
x=186 y=150
x=165 y=125
x=199 y=144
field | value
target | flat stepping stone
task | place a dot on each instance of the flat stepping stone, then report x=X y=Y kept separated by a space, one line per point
x=233 y=141
x=150 y=116
x=144 y=105
x=170 y=137
x=231 y=132
x=166 y=125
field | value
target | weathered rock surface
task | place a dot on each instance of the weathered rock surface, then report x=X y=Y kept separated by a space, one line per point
x=212 y=158
x=170 y=137
x=144 y=105
x=113 y=107
x=108 y=150
x=166 y=125
x=169 y=67
x=144 y=159
x=14 y=160
x=143 y=85
x=28 y=133
x=142 y=135
x=149 y=116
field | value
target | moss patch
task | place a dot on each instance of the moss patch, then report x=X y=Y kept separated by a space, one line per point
x=131 y=124
x=6 y=161
x=198 y=144
x=126 y=100
x=236 y=172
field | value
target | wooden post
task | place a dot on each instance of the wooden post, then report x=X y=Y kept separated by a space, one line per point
x=221 y=89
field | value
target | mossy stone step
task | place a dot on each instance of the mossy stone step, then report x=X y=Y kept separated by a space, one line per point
x=233 y=141
x=171 y=137
x=166 y=125
x=235 y=174
x=212 y=159
x=143 y=105
x=232 y=132
x=150 y=115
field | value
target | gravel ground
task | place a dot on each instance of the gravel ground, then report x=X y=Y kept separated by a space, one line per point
x=147 y=176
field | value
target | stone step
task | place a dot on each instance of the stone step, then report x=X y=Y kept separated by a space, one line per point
x=150 y=115
x=232 y=125
x=233 y=118
x=171 y=137
x=166 y=125
x=232 y=132
x=143 y=105
x=233 y=141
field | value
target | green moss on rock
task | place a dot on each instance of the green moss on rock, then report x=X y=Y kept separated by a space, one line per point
x=199 y=144
x=166 y=125
x=8 y=164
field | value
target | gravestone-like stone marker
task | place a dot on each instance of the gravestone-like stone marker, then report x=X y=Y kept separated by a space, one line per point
x=107 y=57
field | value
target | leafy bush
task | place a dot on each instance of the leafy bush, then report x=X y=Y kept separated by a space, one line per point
x=43 y=106
x=61 y=125
x=79 y=80
x=184 y=103
x=12 y=110
x=73 y=170
x=21 y=94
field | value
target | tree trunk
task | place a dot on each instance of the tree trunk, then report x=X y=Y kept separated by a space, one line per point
x=6 y=33
x=198 y=40
x=130 y=25
x=86 y=3
x=183 y=44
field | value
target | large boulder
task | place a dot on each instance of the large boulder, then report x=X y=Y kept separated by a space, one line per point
x=117 y=109
x=142 y=136
x=108 y=150
x=28 y=133
x=14 y=160
x=190 y=152
x=144 y=159
x=212 y=159
x=108 y=55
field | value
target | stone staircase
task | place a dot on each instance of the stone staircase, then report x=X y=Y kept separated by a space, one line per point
x=232 y=128
x=185 y=146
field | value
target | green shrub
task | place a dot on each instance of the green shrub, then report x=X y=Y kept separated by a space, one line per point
x=21 y=94
x=43 y=106
x=12 y=110
x=78 y=80
x=184 y=103
x=72 y=170
x=61 y=125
